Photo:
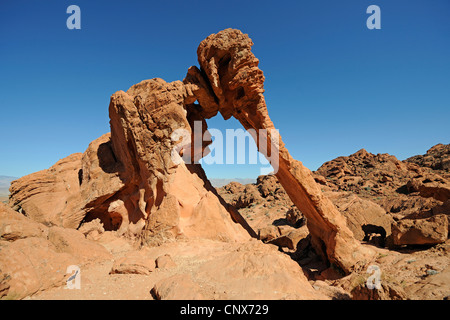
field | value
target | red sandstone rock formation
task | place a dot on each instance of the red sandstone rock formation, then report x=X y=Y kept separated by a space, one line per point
x=50 y=196
x=172 y=199
x=131 y=182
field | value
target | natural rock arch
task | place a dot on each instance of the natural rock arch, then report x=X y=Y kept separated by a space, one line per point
x=129 y=180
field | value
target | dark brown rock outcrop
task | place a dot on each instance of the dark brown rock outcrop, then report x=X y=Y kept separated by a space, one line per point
x=436 y=158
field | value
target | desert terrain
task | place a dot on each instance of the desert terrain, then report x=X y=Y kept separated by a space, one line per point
x=128 y=219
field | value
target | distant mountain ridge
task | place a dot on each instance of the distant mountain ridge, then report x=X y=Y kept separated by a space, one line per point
x=217 y=183
x=5 y=182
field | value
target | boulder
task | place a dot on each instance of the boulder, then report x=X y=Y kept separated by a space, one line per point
x=92 y=230
x=428 y=231
x=135 y=262
x=294 y=217
x=14 y=226
x=74 y=243
x=268 y=233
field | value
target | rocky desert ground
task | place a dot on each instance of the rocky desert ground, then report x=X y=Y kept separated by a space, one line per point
x=127 y=219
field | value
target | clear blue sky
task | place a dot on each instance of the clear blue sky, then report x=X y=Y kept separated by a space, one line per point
x=332 y=85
